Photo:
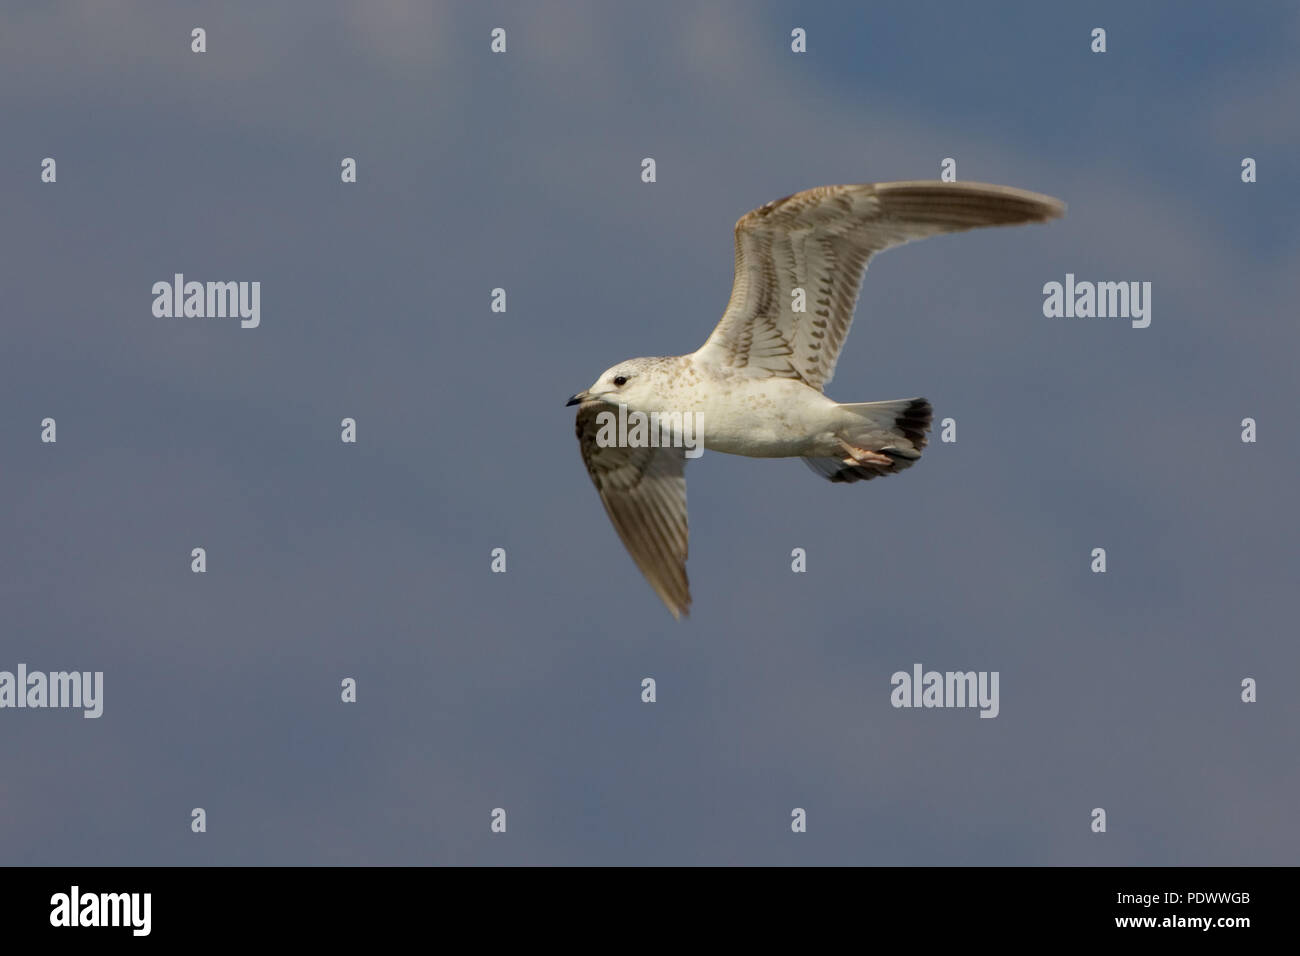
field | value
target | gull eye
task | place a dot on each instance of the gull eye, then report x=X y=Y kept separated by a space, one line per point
x=620 y=380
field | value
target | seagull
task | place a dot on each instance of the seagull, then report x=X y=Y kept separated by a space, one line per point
x=755 y=387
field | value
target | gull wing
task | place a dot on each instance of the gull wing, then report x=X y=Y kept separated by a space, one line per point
x=644 y=494
x=820 y=240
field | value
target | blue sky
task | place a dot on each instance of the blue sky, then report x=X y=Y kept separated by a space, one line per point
x=522 y=690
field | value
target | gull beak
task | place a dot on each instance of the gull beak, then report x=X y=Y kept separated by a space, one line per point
x=577 y=399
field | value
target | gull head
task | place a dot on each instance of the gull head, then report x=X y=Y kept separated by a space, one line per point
x=632 y=383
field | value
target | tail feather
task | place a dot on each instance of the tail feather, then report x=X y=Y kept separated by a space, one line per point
x=890 y=438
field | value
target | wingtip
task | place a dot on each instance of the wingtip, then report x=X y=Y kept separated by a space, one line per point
x=678 y=604
x=1056 y=207
x=1048 y=207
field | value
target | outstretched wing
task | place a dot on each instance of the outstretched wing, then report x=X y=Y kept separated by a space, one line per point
x=644 y=494
x=820 y=240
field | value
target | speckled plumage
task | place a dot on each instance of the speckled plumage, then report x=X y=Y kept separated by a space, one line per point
x=755 y=386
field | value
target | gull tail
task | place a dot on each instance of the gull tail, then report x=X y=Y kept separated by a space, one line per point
x=879 y=438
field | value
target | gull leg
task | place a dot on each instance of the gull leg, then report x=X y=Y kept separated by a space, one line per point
x=863 y=456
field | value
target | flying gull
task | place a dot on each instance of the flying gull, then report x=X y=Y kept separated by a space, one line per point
x=755 y=387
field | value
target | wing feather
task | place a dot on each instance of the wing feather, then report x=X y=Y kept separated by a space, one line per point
x=644 y=494
x=820 y=240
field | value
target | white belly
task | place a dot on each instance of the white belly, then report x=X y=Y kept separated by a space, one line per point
x=766 y=418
